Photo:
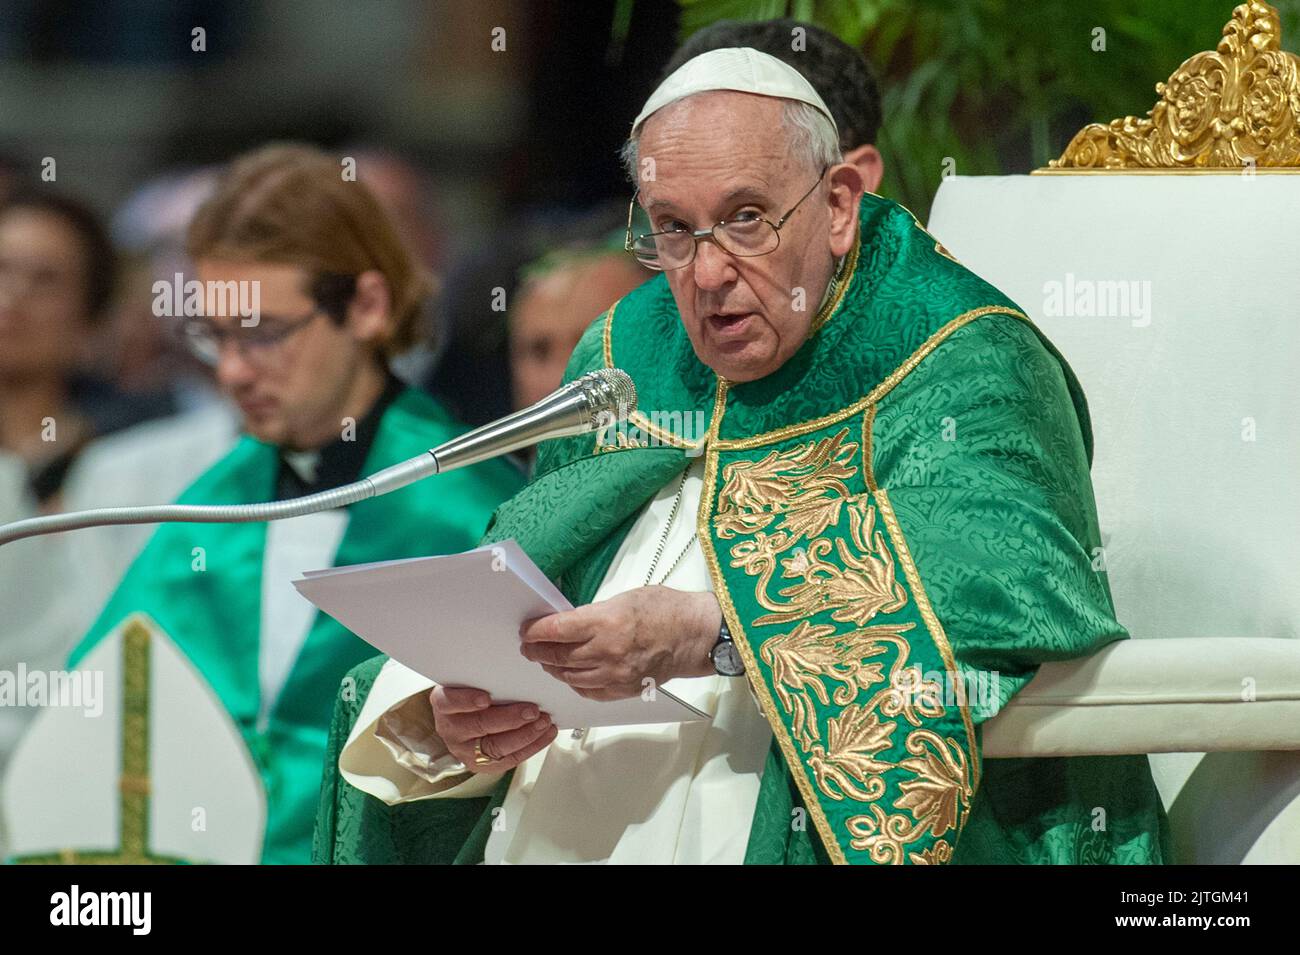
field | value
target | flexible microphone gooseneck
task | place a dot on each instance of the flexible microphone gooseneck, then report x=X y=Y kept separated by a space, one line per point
x=597 y=399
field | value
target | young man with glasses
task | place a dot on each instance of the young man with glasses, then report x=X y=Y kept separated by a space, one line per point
x=338 y=295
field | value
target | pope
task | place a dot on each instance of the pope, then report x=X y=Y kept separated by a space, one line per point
x=887 y=527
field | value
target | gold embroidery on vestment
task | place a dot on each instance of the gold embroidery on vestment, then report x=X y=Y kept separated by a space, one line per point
x=936 y=799
x=789 y=497
x=932 y=624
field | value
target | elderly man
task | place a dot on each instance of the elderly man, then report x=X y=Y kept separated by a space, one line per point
x=887 y=525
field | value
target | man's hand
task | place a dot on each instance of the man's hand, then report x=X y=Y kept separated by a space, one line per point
x=505 y=733
x=605 y=650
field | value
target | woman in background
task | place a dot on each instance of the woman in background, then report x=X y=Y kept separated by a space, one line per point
x=56 y=285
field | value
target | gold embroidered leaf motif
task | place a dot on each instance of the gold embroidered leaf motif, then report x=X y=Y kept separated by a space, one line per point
x=847 y=766
x=756 y=485
x=868 y=569
x=862 y=587
x=934 y=798
x=787 y=510
x=812 y=519
x=801 y=659
x=939 y=789
x=797 y=659
x=731 y=523
x=609 y=438
x=862 y=592
x=938 y=854
x=782 y=481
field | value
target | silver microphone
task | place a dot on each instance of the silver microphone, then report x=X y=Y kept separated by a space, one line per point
x=597 y=399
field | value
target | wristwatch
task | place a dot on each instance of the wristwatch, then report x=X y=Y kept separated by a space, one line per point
x=726 y=658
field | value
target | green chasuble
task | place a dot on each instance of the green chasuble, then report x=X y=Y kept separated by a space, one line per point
x=213 y=614
x=900 y=526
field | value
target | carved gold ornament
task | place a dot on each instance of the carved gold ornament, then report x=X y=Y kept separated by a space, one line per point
x=1235 y=106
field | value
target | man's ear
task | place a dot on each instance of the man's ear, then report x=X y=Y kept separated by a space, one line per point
x=845 y=196
x=371 y=310
x=870 y=163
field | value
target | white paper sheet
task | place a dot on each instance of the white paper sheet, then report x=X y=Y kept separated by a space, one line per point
x=456 y=620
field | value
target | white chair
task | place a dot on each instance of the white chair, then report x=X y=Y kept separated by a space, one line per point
x=1173 y=297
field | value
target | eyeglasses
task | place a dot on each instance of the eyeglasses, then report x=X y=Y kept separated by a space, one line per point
x=205 y=338
x=675 y=248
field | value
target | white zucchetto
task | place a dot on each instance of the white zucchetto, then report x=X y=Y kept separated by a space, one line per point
x=742 y=69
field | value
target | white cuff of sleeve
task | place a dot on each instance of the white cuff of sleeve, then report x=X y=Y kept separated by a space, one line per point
x=393 y=752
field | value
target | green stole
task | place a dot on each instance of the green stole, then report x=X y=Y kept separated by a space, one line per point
x=213 y=613
x=872 y=570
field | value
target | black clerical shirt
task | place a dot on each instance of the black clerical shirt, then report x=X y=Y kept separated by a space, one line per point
x=340 y=461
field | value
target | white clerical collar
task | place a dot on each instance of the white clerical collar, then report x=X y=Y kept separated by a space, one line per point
x=303 y=463
x=837 y=277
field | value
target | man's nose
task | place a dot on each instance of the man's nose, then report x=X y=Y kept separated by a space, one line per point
x=233 y=368
x=714 y=268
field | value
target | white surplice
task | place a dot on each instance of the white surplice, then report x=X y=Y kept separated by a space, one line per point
x=668 y=793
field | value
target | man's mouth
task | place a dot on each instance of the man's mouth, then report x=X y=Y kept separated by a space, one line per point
x=729 y=324
x=256 y=407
